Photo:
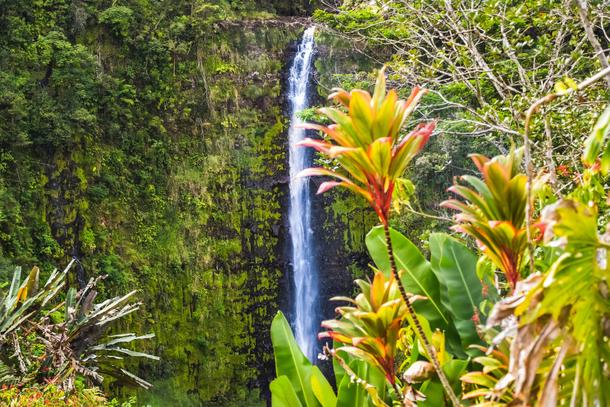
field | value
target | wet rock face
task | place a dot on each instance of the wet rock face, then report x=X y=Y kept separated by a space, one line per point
x=178 y=189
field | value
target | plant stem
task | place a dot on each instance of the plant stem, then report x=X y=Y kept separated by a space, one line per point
x=418 y=326
x=398 y=393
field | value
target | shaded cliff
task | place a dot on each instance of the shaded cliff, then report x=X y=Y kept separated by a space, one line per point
x=149 y=142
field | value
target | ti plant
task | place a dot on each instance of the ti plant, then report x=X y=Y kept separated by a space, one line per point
x=558 y=319
x=545 y=344
x=483 y=384
x=369 y=328
x=40 y=343
x=560 y=351
x=494 y=211
x=366 y=142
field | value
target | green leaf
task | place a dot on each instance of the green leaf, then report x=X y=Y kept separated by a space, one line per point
x=435 y=395
x=380 y=154
x=453 y=370
x=290 y=360
x=337 y=369
x=417 y=275
x=322 y=389
x=282 y=393
x=461 y=291
x=379 y=93
x=384 y=116
x=479 y=378
x=594 y=143
x=361 y=115
x=350 y=393
x=70 y=300
x=10 y=299
x=31 y=283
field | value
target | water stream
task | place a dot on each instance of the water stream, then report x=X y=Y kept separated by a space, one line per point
x=305 y=312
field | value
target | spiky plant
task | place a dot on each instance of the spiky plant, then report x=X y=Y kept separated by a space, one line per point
x=365 y=141
x=369 y=327
x=20 y=305
x=74 y=343
x=494 y=211
x=80 y=345
x=372 y=155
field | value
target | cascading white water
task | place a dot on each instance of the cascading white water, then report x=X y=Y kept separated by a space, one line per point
x=305 y=315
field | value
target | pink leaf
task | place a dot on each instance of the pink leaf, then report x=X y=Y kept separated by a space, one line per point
x=325 y=186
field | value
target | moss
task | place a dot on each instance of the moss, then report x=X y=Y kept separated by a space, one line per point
x=173 y=185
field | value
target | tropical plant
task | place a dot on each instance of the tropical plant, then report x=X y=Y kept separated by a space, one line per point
x=40 y=343
x=448 y=283
x=419 y=324
x=298 y=382
x=21 y=304
x=494 y=211
x=79 y=344
x=367 y=145
x=557 y=319
x=560 y=352
x=24 y=299
x=375 y=347
x=369 y=328
x=483 y=382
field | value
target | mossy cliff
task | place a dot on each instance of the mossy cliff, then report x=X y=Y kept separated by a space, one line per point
x=148 y=141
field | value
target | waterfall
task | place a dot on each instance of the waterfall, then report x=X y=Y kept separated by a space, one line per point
x=305 y=274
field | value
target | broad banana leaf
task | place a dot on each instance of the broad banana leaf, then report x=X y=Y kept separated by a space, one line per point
x=322 y=389
x=350 y=393
x=461 y=291
x=291 y=362
x=282 y=393
x=337 y=369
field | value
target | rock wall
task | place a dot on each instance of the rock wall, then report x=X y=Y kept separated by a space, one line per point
x=148 y=141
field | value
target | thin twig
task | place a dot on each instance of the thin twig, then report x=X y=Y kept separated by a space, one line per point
x=529 y=167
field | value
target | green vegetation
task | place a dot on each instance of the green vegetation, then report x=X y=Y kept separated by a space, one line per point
x=147 y=140
x=419 y=332
x=54 y=349
x=483 y=64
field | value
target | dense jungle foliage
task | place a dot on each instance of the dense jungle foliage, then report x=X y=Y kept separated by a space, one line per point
x=144 y=138
x=147 y=139
x=522 y=321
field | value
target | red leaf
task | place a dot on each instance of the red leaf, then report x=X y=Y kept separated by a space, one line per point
x=325 y=186
x=317 y=144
